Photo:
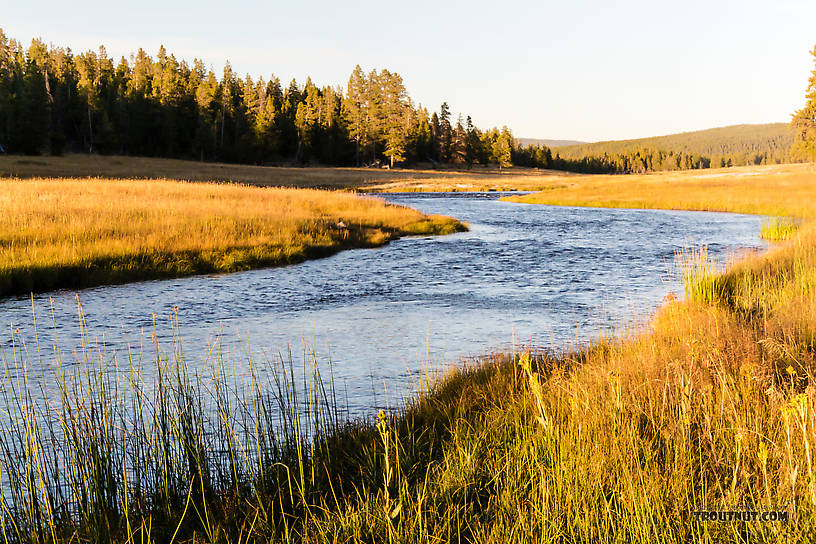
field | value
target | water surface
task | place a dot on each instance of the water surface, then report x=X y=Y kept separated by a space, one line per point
x=541 y=275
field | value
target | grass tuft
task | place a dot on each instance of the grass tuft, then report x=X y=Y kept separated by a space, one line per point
x=779 y=228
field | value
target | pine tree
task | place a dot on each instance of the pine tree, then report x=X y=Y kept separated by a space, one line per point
x=445 y=133
x=436 y=132
x=472 y=141
x=459 y=142
x=87 y=84
x=394 y=123
x=205 y=98
x=421 y=135
x=804 y=122
x=354 y=109
x=32 y=132
x=7 y=76
x=503 y=148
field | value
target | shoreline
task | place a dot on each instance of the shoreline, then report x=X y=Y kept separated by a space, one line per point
x=67 y=234
x=623 y=438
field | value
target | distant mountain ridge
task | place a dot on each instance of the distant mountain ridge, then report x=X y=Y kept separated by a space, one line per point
x=736 y=145
x=524 y=142
x=772 y=138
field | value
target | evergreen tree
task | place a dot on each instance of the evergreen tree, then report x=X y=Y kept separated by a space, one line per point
x=8 y=77
x=205 y=97
x=804 y=121
x=459 y=142
x=394 y=121
x=422 y=135
x=445 y=133
x=436 y=133
x=32 y=132
x=503 y=148
x=354 y=109
x=472 y=141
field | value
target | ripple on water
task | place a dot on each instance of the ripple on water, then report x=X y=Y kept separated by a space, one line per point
x=547 y=275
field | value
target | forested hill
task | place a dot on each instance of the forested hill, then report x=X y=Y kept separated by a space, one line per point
x=524 y=142
x=735 y=145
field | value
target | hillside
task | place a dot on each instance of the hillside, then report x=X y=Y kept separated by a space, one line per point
x=548 y=143
x=773 y=140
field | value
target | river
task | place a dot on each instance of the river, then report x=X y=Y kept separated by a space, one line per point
x=545 y=276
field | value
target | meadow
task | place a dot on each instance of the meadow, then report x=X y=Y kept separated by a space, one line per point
x=777 y=190
x=711 y=407
x=70 y=233
x=477 y=178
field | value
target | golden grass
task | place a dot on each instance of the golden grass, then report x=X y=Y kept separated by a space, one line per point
x=713 y=407
x=369 y=179
x=786 y=190
x=779 y=228
x=79 y=232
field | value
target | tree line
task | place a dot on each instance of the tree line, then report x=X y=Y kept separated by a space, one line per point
x=54 y=101
x=737 y=145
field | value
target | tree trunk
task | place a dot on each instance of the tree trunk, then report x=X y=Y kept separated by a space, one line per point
x=90 y=129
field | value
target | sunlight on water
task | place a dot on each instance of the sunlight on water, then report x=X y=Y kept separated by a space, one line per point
x=546 y=276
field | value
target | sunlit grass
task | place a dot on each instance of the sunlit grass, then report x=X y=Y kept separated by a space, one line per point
x=421 y=178
x=776 y=229
x=712 y=406
x=619 y=441
x=783 y=191
x=80 y=232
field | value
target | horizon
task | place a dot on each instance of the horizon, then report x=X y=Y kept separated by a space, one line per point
x=718 y=75
x=582 y=142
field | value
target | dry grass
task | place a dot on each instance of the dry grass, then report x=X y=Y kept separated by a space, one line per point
x=787 y=190
x=79 y=232
x=713 y=407
x=368 y=179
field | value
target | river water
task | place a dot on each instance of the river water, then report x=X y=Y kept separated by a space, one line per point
x=524 y=274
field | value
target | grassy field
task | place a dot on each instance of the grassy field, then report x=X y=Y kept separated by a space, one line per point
x=712 y=407
x=785 y=190
x=82 y=232
x=362 y=179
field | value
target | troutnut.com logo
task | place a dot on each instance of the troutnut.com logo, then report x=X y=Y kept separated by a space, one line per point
x=744 y=514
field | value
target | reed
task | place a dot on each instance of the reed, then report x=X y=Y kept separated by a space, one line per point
x=711 y=407
x=619 y=441
x=776 y=229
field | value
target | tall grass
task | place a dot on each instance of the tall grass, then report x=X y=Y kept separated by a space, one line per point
x=619 y=441
x=779 y=228
x=713 y=407
x=783 y=191
x=477 y=178
x=81 y=232
x=98 y=449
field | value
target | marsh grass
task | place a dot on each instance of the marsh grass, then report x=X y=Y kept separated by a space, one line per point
x=618 y=441
x=777 y=229
x=782 y=191
x=83 y=232
x=421 y=178
x=712 y=407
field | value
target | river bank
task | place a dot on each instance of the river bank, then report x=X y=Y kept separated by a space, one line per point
x=73 y=233
x=712 y=408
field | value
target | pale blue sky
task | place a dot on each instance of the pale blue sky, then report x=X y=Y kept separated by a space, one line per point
x=582 y=69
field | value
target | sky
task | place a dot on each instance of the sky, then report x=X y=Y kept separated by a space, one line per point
x=573 y=69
